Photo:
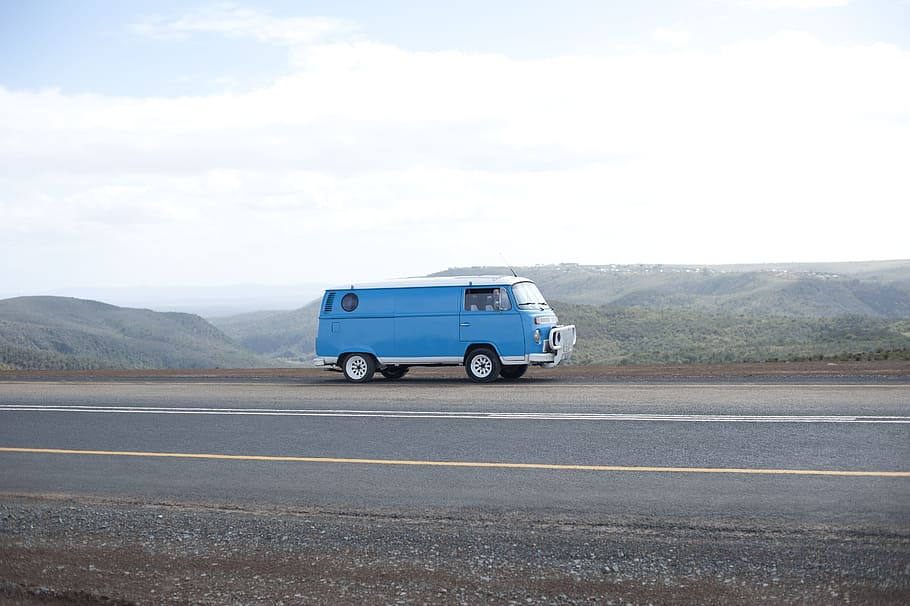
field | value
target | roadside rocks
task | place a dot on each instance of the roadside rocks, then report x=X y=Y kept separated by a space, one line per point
x=62 y=551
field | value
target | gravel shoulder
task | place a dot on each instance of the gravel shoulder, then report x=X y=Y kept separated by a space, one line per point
x=61 y=550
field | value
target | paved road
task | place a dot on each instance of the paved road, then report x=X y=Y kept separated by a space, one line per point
x=808 y=453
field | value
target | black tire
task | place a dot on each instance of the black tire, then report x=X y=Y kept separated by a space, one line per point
x=482 y=365
x=513 y=372
x=358 y=367
x=394 y=372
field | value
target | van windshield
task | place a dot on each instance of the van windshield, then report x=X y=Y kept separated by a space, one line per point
x=527 y=296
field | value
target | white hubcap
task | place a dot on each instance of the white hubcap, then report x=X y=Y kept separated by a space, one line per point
x=356 y=367
x=481 y=366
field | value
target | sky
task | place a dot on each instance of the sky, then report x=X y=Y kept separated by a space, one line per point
x=162 y=143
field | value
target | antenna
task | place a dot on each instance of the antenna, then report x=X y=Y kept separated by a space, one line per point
x=508 y=265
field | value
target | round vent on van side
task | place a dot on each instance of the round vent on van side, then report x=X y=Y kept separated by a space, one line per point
x=349 y=302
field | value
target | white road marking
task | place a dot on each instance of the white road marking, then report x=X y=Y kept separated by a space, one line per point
x=509 y=416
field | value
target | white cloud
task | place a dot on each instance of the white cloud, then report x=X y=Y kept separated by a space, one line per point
x=236 y=22
x=795 y=4
x=371 y=161
x=671 y=36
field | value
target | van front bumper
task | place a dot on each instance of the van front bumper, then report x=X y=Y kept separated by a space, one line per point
x=559 y=347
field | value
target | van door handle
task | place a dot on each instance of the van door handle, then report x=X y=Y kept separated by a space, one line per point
x=465 y=324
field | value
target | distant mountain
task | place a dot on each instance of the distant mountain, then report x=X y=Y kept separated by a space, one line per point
x=286 y=335
x=824 y=290
x=67 y=333
x=205 y=301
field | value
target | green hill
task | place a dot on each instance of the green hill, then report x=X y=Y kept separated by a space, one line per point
x=630 y=335
x=286 y=335
x=66 y=333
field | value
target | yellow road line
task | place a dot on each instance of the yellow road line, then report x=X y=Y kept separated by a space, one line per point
x=223 y=457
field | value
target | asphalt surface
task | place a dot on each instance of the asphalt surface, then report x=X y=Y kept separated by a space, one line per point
x=729 y=468
x=612 y=448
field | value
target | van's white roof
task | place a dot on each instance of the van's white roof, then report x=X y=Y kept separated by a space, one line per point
x=436 y=281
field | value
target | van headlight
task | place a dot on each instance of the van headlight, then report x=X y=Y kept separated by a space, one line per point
x=537 y=336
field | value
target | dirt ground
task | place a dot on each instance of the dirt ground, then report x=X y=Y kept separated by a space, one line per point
x=65 y=551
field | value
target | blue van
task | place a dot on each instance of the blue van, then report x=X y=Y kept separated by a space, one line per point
x=492 y=325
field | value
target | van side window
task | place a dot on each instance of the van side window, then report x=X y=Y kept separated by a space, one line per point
x=505 y=303
x=486 y=299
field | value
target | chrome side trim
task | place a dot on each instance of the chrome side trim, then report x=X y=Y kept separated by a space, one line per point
x=428 y=360
x=514 y=360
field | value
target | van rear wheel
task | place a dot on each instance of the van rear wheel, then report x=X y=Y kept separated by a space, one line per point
x=394 y=371
x=358 y=367
x=513 y=372
x=482 y=365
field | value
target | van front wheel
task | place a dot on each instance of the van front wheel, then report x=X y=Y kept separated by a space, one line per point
x=482 y=365
x=358 y=367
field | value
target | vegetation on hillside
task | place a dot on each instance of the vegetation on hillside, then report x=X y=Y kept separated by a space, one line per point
x=284 y=335
x=66 y=333
x=678 y=336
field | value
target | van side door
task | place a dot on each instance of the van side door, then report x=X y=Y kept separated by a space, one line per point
x=488 y=315
x=425 y=324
